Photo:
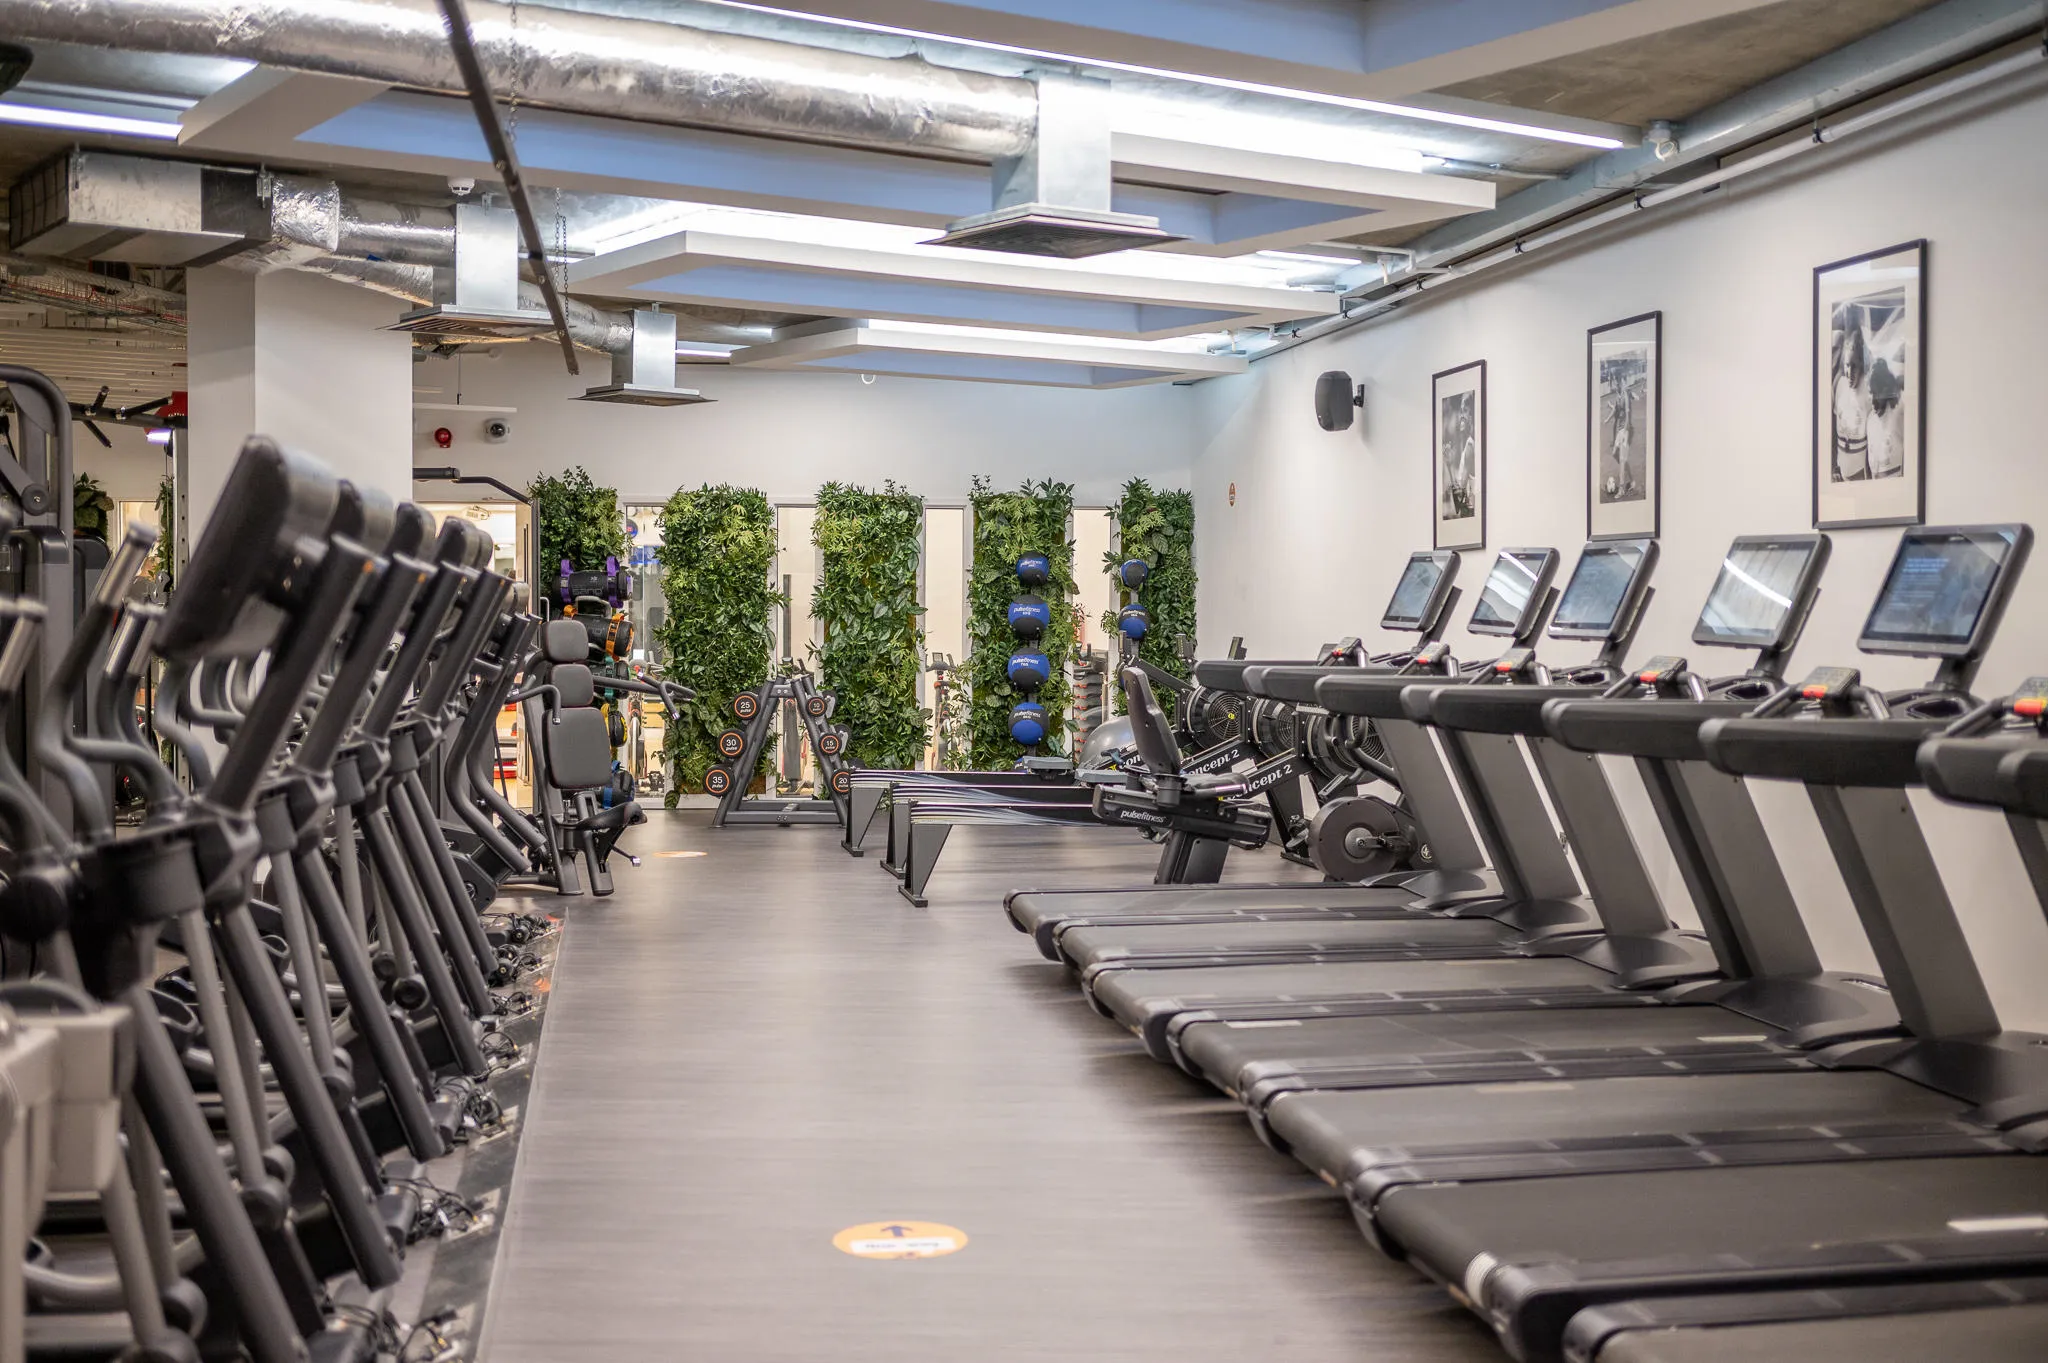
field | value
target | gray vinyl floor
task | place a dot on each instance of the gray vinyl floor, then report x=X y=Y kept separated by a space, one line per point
x=750 y=1050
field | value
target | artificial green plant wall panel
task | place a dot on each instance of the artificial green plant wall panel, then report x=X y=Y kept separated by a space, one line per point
x=866 y=602
x=716 y=546
x=1158 y=526
x=1008 y=525
x=577 y=520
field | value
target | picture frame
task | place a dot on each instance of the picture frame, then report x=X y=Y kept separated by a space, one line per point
x=1457 y=446
x=1870 y=389
x=1625 y=428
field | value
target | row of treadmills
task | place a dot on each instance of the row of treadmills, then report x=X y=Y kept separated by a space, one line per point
x=1614 y=1140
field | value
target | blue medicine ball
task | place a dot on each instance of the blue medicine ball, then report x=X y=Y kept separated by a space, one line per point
x=1133 y=620
x=1029 y=669
x=1028 y=723
x=1029 y=615
x=1034 y=570
x=1132 y=572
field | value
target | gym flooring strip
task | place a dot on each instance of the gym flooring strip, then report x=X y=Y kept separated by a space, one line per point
x=751 y=1051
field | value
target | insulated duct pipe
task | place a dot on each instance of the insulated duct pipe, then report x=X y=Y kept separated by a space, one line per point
x=584 y=63
x=593 y=328
x=1416 y=278
x=393 y=248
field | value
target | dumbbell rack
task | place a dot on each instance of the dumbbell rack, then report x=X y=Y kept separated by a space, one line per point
x=740 y=752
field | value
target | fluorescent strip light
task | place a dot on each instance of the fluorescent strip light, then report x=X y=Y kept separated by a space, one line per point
x=77 y=120
x=1372 y=106
x=158 y=435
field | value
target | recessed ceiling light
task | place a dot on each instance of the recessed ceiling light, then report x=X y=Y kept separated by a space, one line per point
x=77 y=120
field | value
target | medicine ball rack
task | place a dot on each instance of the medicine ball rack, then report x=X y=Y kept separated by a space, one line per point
x=740 y=752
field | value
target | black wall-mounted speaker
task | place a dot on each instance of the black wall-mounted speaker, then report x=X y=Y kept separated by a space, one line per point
x=1335 y=397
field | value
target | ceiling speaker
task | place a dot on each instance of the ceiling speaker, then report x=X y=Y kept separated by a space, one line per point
x=1335 y=397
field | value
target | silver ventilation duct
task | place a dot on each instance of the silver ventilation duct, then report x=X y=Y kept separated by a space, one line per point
x=112 y=206
x=477 y=294
x=584 y=63
x=644 y=373
x=1053 y=199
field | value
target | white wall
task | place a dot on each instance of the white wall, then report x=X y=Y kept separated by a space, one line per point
x=1323 y=521
x=786 y=433
x=304 y=360
x=130 y=471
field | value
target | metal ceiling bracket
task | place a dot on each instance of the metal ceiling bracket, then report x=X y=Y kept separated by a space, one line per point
x=462 y=42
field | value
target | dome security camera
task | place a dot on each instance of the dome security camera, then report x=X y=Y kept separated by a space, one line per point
x=497 y=430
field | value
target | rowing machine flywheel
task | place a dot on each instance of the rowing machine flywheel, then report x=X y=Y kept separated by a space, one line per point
x=1358 y=838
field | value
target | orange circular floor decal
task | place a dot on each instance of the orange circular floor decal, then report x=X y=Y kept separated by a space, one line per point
x=900 y=1240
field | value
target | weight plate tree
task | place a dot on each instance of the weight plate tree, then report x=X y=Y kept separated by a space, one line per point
x=740 y=752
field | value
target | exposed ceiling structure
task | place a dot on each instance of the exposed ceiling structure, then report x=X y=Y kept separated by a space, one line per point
x=780 y=177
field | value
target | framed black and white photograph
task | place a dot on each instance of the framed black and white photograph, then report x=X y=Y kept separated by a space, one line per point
x=1458 y=447
x=1624 y=427
x=1870 y=389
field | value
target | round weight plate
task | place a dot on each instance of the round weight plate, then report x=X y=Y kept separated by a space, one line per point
x=717 y=781
x=731 y=743
x=816 y=706
x=831 y=744
x=746 y=705
x=1356 y=838
x=842 y=782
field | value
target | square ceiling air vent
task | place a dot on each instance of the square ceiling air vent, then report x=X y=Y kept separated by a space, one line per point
x=636 y=395
x=1043 y=230
x=491 y=324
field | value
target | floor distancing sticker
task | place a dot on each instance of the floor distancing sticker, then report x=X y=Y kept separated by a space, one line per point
x=900 y=1240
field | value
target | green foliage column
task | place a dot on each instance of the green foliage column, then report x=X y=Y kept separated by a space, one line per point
x=1158 y=526
x=716 y=546
x=577 y=520
x=866 y=600
x=1008 y=525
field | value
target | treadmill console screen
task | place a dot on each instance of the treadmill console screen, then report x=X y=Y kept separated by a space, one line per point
x=1938 y=597
x=1760 y=583
x=1604 y=587
x=1419 y=595
x=1513 y=589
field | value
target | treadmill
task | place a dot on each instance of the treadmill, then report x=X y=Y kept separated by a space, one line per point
x=1924 y=1182
x=1756 y=1016
x=1421 y=604
x=1985 y=760
x=1542 y=910
x=1596 y=949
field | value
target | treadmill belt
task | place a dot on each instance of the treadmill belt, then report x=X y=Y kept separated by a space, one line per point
x=1938 y=1319
x=1530 y=1253
x=1344 y=1135
x=2009 y=1334
x=1086 y=946
x=1238 y=1055
x=1040 y=913
x=1147 y=1001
